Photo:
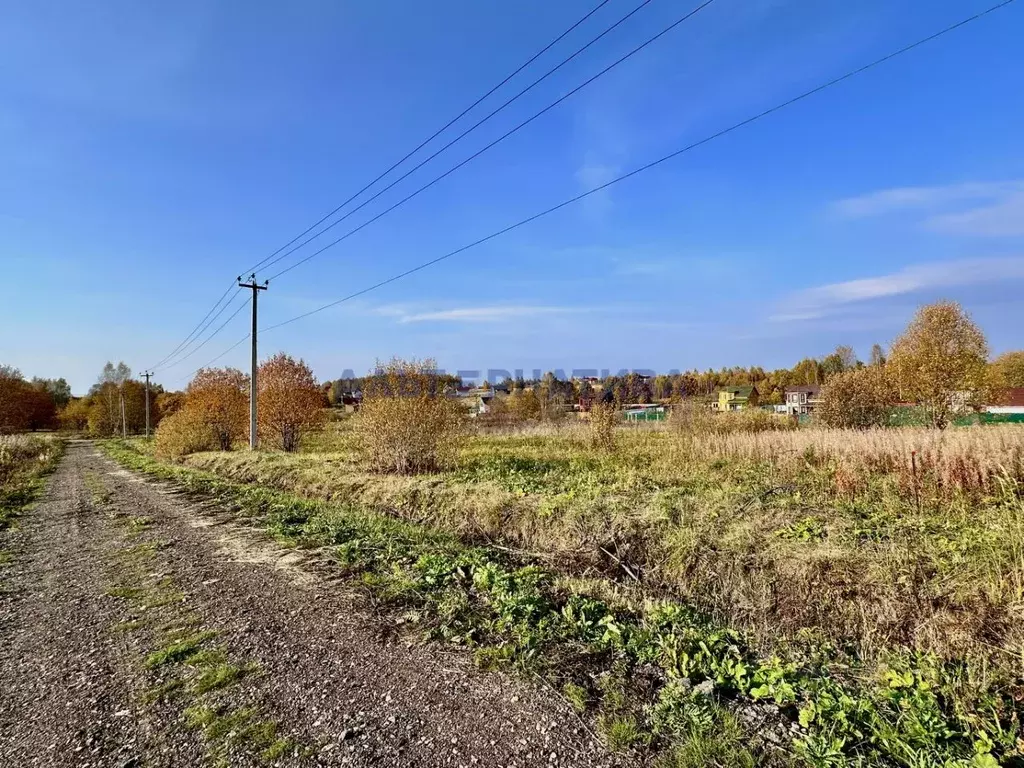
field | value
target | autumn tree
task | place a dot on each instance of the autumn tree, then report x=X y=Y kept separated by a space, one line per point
x=220 y=397
x=41 y=411
x=13 y=405
x=291 y=402
x=940 y=360
x=107 y=394
x=857 y=398
x=74 y=417
x=1007 y=371
x=24 y=405
x=168 y=403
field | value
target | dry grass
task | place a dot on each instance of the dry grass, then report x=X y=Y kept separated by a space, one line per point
x=907 y=537
x=17 y=451
x=976 y=460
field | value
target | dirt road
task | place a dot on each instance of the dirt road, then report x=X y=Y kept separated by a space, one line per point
x=139 y=629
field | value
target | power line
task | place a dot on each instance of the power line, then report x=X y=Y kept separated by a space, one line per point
x=194 y=330
x=212 y=319
x=214 y=360
x=489 y=146
x=436 y=133
x=198 y=330
x=242 y=306
x=475 y=155
x=659 y=161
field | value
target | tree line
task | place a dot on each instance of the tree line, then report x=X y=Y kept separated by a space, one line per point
x=30 y=405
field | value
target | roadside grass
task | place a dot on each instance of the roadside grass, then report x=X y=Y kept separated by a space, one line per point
x=188 y=669
x=25 y=462
x=667 y=676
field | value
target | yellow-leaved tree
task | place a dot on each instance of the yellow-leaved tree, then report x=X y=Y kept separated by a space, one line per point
x=219 y=397
x=291 y=403
x=940 y=361
x=1007 y=371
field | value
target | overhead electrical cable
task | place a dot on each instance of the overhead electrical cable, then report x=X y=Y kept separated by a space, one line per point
x=655 y=163
x=194 y=331
x=220 y=328
x=192 y=337
x=479 y=152
x=436 y=133
x=475 y=155
x=214 y=360
x=173 y=360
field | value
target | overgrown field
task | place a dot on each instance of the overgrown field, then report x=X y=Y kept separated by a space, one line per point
x=24 y=461
x=856 y=598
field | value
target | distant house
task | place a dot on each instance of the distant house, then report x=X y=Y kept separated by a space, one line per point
x=477 y=399
x=802 y=400
x=1007 y=401
x=736 y=398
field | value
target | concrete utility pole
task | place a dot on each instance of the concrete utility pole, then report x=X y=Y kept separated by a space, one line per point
x=146 y=375
x=255 y=288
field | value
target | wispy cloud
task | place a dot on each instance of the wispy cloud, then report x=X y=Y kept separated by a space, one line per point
x=815 y=303
x=496 y=313
x=1004 y=218
x=982 y=208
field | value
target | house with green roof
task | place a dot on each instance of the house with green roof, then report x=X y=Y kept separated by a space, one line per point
x=736 y=398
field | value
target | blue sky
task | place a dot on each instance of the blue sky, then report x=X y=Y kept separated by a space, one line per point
x=148 y=153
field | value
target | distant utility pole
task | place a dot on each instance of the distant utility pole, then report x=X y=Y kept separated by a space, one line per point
x=255 y=288
x=146 y=375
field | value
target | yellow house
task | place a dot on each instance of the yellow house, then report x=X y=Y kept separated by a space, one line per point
x=736 y=398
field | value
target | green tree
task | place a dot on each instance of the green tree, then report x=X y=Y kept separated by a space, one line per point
x=843 y=359
x=58 y=389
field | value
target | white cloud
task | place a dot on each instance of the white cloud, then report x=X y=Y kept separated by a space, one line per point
x=887 y=201
x=1001 y=219
x=495 y=313
x=815 y=303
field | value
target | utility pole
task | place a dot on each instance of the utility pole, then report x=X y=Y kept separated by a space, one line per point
x=146 y=376
x=255 y=288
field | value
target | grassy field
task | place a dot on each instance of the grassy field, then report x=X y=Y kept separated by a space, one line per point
x=868 y=586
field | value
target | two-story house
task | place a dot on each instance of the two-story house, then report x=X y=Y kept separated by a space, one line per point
x=736 y=398
x=802 y=400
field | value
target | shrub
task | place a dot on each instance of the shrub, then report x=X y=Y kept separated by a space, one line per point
x=697 y=419
x=603 y=418
x=857 y=399
x=184 y=432
x=291 y=402
x=219 y=396
x=405 y=425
